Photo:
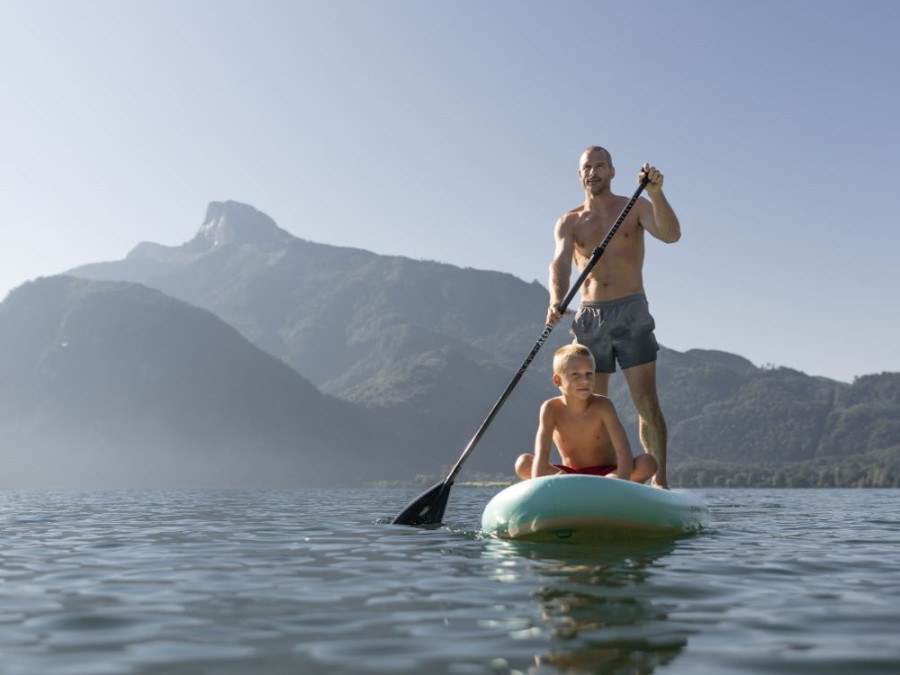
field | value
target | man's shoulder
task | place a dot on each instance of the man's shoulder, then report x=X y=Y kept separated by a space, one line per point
x=570 y=217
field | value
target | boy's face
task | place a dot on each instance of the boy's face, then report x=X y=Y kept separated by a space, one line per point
x=576 y=377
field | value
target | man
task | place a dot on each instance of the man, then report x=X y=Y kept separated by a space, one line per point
x=613 y=320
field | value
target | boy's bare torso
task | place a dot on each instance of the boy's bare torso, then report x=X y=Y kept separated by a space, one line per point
x=581 y=436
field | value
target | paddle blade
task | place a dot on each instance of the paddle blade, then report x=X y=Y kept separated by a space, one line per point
x=427 y=508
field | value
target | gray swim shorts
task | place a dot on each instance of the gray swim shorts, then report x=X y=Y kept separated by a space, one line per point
x=617 y=330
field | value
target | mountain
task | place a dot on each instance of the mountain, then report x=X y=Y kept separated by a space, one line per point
x=426 y=348
x=781 y=427
x=112 y=384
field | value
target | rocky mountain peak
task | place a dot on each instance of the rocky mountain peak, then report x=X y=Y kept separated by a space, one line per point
x=232 y=222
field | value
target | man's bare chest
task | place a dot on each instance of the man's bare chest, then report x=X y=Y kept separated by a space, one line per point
x=590 y=229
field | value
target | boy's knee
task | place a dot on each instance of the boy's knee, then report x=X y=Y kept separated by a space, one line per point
x=523 y=465
x=645 y=465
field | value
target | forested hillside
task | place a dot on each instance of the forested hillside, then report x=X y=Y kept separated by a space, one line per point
x=427 y=347
x=111 y=384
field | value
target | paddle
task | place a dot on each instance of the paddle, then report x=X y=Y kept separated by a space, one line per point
x=428 y=508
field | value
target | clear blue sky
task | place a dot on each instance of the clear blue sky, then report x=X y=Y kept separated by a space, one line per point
x=451 y=131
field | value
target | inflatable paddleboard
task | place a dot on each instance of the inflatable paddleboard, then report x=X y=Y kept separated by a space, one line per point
x=580 y=507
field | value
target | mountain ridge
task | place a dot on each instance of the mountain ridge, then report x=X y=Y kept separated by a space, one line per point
x=396 y=335
x=113 y=384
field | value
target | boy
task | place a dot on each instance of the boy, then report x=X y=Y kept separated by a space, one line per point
x=575 y=421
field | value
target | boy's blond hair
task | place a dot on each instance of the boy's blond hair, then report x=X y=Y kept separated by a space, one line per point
x=566 y=352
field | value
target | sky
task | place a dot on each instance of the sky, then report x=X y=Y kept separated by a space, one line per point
x=451 y=131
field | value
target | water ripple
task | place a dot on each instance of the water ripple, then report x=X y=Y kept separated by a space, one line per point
x=316 y=581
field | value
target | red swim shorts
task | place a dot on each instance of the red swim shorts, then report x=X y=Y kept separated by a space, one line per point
x=589 y=470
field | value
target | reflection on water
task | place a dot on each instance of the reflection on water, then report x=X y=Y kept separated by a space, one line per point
x=598 y=609
x=270 y=583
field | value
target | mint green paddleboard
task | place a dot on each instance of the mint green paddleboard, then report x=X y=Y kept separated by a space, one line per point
x=579 y=507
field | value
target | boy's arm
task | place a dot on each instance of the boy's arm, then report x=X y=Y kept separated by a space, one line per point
x=542 y=442
x=619 y=438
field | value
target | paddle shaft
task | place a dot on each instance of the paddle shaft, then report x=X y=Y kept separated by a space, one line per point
x=429 y=507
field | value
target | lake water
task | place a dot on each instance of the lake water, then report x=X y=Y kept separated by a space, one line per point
x=785 y=581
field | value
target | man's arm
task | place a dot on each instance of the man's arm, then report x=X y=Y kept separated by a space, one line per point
x=657 y=217
x=560 y=267
x=542 y=443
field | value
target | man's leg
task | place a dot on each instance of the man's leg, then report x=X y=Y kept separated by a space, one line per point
x=601 y=383
x=642 y=384
x=601 y=386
